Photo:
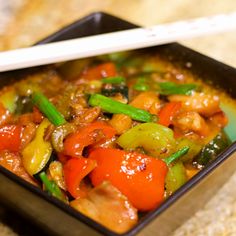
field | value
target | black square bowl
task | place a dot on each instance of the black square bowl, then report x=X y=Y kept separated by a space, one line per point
x=57 y=218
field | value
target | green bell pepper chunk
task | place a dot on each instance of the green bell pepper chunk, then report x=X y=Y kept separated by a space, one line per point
x=175 y=177
x=194 y=148
x=155 y=139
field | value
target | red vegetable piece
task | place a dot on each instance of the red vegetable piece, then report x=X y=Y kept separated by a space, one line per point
x=62 y=158
x=10 y=137
x=139 y=177
x=90 y=134
x=75 y=169
x=101 y=71
x=167 y=113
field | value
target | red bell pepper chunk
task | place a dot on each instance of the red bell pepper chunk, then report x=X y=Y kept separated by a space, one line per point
x=75 y=169
x=139 y=177
x=63 y=158
x=101 y=71
x=167 y=113
x=10 y=137
x=95 y=132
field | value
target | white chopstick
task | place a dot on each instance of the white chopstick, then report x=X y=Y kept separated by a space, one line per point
x=114 y=42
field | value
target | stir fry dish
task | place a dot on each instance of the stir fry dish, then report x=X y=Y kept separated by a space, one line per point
x=112 y=136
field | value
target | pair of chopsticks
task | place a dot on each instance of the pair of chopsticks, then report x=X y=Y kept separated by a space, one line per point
x=114 y=42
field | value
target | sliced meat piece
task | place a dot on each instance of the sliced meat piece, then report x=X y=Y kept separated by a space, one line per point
x=12 y=162
x=106 y=205
x=204 y=104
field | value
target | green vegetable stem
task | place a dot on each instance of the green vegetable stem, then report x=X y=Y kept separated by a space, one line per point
x=48 y=109
x=168 y=88
x=111 y=106
x=141 y=84
x=51 y=187
x=113 y=80
x=176 y=155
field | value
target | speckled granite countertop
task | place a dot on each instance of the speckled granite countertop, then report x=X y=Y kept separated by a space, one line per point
x=23 y=22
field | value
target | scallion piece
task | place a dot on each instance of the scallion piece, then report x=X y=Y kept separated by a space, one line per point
x=111 y=106
x=51 y=187
x=176 y=155
x=168 y=88
x=113 y=80
x=48 y=109
x=141 y=85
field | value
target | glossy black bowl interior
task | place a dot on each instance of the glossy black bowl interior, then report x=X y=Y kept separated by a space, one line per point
x=177 y=208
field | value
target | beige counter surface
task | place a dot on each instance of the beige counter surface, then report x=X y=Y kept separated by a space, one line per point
x=23 y=22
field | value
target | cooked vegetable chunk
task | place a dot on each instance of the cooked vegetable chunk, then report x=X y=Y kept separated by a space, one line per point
x=155 y=139
x=212 y=149
x=37 y=153
x=129 y=172
x=175 y=178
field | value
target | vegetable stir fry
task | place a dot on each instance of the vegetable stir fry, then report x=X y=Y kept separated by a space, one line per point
x=111 y=136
